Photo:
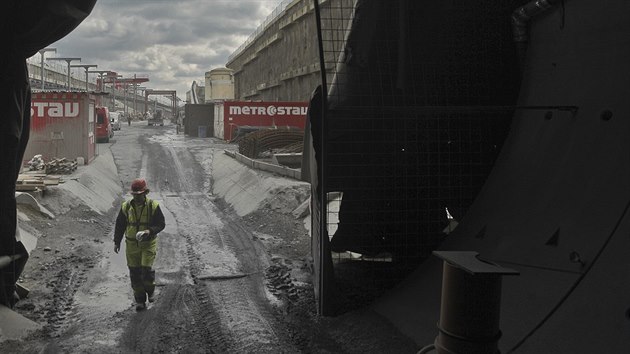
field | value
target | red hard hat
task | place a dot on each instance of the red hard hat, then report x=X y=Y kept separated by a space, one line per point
x=139 y=186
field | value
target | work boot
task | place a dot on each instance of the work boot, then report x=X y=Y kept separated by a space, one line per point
x=151 y=297
x=141 y=306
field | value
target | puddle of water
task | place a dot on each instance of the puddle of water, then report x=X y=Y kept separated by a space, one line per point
x=112 y=293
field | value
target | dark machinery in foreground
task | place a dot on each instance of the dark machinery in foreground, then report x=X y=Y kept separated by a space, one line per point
x=511 y=115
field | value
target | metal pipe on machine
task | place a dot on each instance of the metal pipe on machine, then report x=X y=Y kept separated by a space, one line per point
x=471 y=304
x=520 y=19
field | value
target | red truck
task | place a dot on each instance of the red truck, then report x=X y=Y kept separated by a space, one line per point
x=104 y=130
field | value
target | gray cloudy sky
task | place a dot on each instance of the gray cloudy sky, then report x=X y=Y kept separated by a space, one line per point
x=172 y=41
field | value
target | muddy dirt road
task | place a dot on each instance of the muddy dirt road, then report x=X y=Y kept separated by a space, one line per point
x=211 y=269
x=232 y=269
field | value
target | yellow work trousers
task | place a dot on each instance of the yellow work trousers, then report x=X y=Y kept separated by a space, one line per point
x=140 y=258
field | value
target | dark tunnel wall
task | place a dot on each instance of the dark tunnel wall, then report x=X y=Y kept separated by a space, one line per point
x=561 y=184
x=423 y=53
x=418 y=111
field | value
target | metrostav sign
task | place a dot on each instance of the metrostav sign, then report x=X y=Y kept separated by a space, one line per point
x=268 y=110
x=262 y=114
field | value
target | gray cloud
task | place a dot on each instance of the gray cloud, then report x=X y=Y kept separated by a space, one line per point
x=173 y=42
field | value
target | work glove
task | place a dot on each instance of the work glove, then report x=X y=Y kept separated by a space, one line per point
x=142 y=235
x=116 y=247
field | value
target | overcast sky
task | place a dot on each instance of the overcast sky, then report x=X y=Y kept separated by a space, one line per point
x=172 y=41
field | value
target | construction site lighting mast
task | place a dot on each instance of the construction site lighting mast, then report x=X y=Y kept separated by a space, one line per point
x=135 y=86
x=86 y=67
x=114 y=77
x=124 y=86
x=173 y=104
x=100 y=74
x=101 y=84
x=126 y=82
x=41 y=53
x=67 y=60
x=136 y=81
x=135 y=93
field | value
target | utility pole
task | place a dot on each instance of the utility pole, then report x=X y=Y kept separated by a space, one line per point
x=114 y=77
x=125 y=88
x=101 y=85
x=100 y=73
x=135 y=85
x=128 y=83
x=41 y=53
x=86 y=67
x=135 y=91
x=143 y=89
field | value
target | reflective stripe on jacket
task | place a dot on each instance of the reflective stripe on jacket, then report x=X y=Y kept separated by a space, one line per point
x=138 y=218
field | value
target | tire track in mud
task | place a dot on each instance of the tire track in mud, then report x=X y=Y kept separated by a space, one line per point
x=247 y=314
x=176 y=323
x=182 y=320
x=235 y=312
x=61 y=313
x=269 y=336
x=60 y=308
x=206 y=315
x=240 y=307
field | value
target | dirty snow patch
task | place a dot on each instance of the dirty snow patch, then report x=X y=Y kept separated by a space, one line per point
x=246 y=190
x=97 y=186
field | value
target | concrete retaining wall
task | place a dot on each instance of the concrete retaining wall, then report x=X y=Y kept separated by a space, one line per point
x=264 y=166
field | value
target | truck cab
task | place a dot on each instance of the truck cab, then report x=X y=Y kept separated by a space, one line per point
x=103 y=129
x=156 y=118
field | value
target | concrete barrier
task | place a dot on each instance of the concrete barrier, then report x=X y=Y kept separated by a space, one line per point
x=14 y=326
x=291 y=160
x=264 y=166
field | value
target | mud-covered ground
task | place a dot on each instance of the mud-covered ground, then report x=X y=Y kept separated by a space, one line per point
x=233 y=271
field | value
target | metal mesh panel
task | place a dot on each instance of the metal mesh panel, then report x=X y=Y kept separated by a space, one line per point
x=420 y=96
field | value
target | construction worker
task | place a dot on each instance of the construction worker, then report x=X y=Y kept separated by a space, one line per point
x=140 y=220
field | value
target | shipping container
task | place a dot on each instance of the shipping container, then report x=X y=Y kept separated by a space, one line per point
x=260 y=115
x=62 y=126
x=199 y=119
x=103 y=130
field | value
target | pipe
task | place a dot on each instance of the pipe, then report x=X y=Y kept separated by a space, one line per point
x=427 y=349
x=471 y=304
x=522 y=15
x=520 y=19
